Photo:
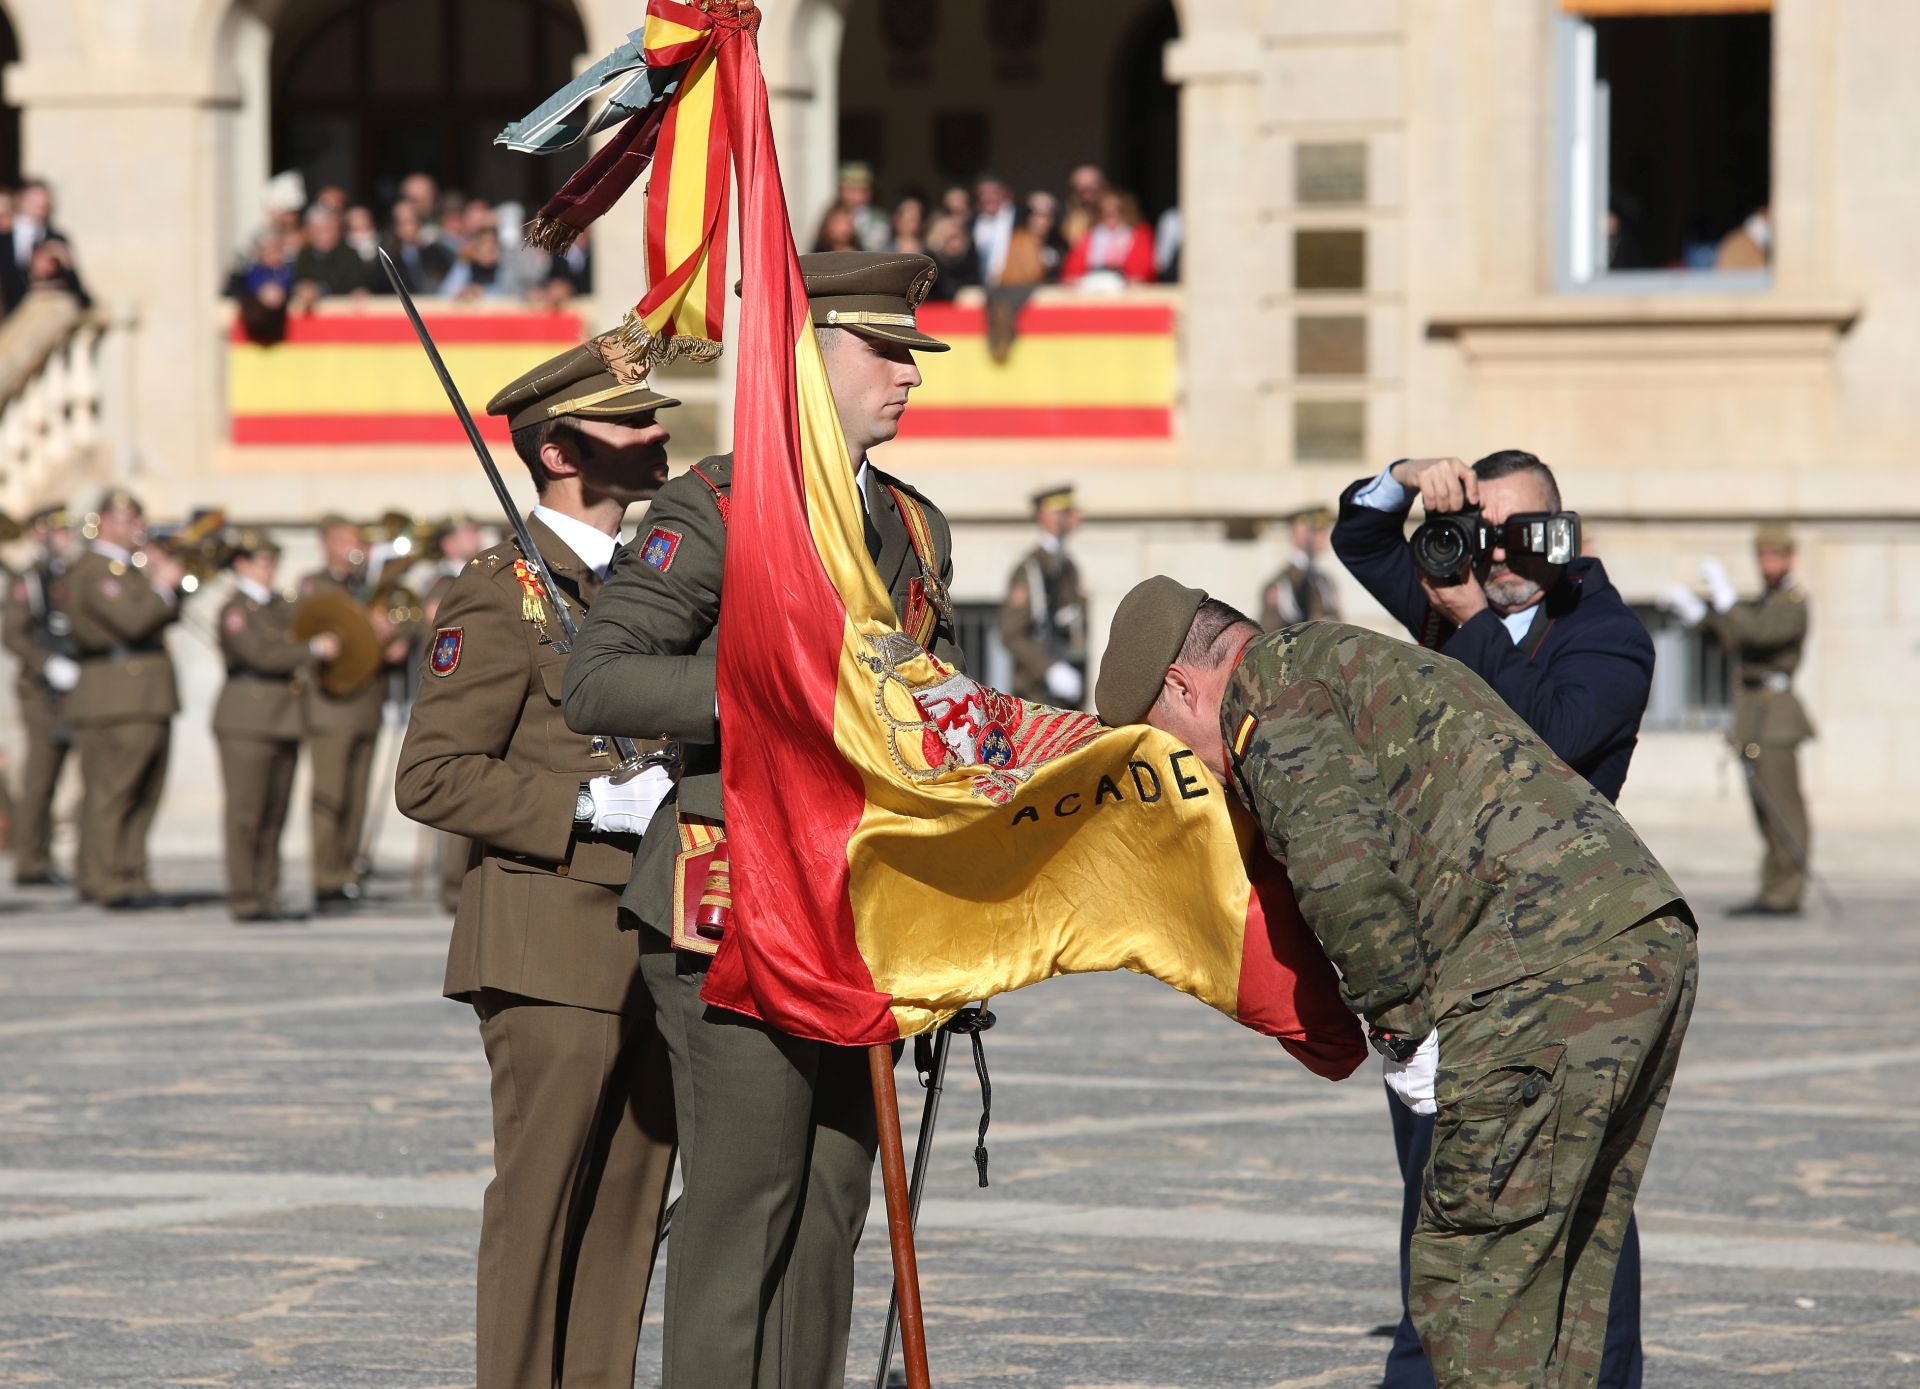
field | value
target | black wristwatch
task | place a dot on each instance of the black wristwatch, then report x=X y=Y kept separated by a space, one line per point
x=1395 y=1046
x=583 y=809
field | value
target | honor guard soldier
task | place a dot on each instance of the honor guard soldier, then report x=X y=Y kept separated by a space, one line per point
x=458 y=542
x=1302 y=591
x=582 y=1097
x=40 y=638
x=777 y=1134
x=257 y=724
x=1765 y=638
x=342 y=729
x=120 y=604
x=1043 y=622
x=1461 y=877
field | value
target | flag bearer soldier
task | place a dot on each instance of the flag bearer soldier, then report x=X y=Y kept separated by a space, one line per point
x=778 y=1134
x=40 y=638
x=257 y=722
x=1766 y=637
x=1043 y=622
x=582 y=1098
x=1460 y=876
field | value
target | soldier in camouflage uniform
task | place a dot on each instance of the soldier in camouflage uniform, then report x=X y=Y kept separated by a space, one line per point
x=1460 y=876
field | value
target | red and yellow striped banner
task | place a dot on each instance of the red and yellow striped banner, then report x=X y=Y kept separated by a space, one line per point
x=357 y=379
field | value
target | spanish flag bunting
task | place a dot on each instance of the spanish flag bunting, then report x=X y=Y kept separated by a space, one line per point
x=903 y=839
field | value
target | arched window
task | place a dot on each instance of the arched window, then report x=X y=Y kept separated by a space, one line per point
x=368 y=91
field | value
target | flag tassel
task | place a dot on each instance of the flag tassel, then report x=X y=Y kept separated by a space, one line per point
x=893 y=1173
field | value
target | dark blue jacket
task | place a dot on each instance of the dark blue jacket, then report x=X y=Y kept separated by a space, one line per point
x=1583 y=688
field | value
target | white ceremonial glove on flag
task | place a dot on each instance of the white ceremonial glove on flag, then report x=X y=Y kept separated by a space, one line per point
x=628 y=807
x=1412 y=1081
x=1719 y=587
x=62 y=673
x=1684 y=604
x=1065 y=683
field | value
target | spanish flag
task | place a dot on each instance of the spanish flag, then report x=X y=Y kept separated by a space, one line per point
x=904 y=840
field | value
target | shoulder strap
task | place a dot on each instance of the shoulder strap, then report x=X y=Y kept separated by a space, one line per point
x=721 y=501
x=920 y=536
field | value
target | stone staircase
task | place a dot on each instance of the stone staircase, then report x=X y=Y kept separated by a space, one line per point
x=50 y=437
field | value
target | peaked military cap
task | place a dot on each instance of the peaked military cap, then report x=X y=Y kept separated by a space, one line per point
x=55 y=517
x=1773 y=535
x=1149 y=627
x=252 y=540
x=872 y=293
x=1054 y=498
x=593 y=381
x=331 y=519
x=119 y=499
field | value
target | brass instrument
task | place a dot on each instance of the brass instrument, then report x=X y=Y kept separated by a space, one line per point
x=351 y=620
x=200 y=547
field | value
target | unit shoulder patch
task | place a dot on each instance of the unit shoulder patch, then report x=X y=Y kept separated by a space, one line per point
x=444 y=656
x=659 y=548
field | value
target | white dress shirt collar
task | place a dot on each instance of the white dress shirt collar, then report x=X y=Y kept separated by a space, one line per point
x=260 y=593
x=592 y=547
x=112 y=551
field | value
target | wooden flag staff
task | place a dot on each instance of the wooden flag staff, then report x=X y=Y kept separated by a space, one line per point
x=893 y=1176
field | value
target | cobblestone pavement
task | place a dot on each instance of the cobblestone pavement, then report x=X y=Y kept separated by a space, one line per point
x=255 y=1158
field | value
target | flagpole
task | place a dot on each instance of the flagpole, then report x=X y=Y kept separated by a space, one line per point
x=893 y=1173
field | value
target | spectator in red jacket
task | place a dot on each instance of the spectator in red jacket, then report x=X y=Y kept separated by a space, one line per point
x=1118 y=246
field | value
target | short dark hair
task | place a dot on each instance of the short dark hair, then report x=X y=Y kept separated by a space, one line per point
x=1213 y=623
x=529 y=439
x=1507 y=462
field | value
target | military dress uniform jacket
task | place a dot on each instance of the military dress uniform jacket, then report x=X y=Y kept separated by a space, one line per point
x=1043 y=620
x=645 y=663
x=1437 y=847
x=354 y=715
x=488 y=755
x=23 y=621
x=119 y=629
x=1766 y=637
x=265 y=665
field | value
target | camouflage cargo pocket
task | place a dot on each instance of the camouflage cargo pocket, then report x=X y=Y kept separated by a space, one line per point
x=1493 y=1140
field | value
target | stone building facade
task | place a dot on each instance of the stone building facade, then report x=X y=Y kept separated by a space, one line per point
x=1412 y=227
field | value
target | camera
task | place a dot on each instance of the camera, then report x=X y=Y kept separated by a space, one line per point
x=1444 y=545
x=1448 y=543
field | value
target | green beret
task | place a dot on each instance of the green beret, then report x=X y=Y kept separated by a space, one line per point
x=1773 y=535
x=1149 y=627
x=872 y=293
x=593 y=381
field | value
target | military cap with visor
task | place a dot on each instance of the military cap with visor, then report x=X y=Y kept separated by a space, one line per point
x=593 y=381
x=1773 y=535
x=119 y=499
x=873 y=293
x=54 y=518
x=1058 y=498
x=1149 y=628
x=253 y=540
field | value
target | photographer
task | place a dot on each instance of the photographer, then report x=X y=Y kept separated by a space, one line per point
x=1546 y=629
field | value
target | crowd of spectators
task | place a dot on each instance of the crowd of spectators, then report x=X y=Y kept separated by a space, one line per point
x=444 y=243
x=34 y=253
x=1095 y=236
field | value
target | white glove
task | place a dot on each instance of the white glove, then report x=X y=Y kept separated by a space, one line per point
x=627 y=807
x=1065 y=683
x=1412 y=1081
x=1719 y=587
x=62 y=673
x=1684 y=604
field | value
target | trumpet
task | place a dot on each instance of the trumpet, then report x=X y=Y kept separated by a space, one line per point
x=200 y=548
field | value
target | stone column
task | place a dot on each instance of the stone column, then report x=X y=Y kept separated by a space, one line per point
x=1225 y=266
